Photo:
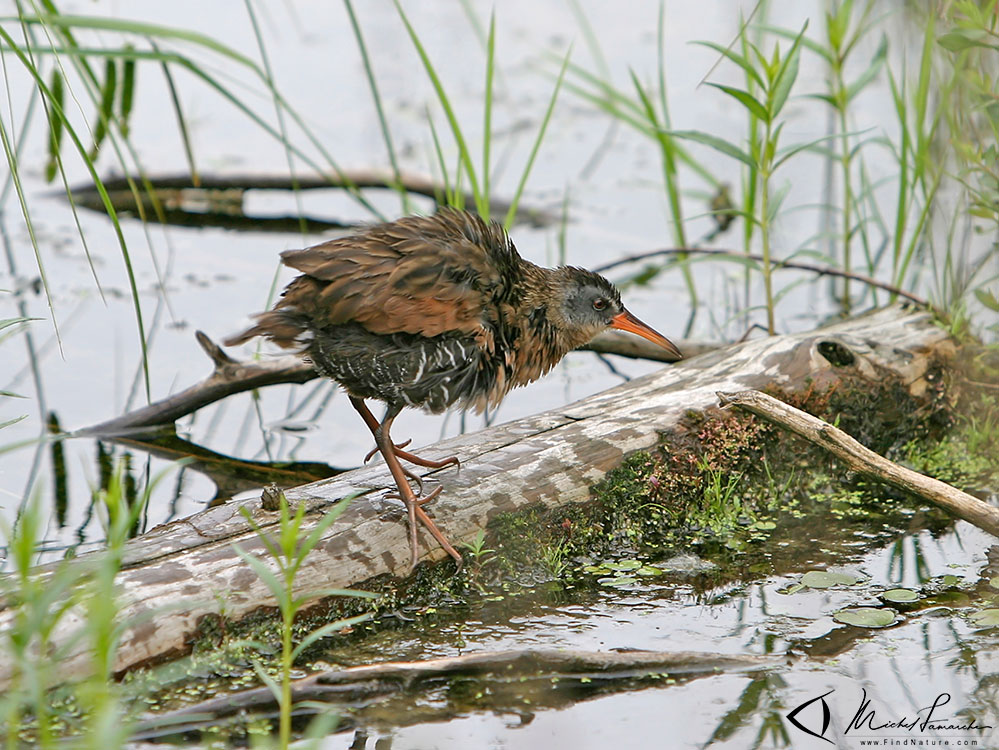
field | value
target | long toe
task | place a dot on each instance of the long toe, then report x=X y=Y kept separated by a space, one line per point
x=426 y=462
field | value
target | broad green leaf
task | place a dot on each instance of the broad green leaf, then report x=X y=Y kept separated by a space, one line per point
x=55 y=124
x=126 y=94
x=900 y=595
x=746 y=99
x=825 y=579
x=718 y=144
x=326 y=630
x=872 y=70
x=623 y=565
x=649 y=570
x=988 y=299
x=269 y=681
x=738 y=59
x=786 y=75
x=962 y=39
x=986 y=618
x=865 y=617
x=618 y=581
x=263 y=572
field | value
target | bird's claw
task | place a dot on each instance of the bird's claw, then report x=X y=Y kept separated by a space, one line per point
x=397 y=446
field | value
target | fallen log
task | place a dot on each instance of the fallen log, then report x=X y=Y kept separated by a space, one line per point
x=181 y=572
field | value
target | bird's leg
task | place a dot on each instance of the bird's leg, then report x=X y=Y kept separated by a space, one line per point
x=413 y=505
x=372 y=423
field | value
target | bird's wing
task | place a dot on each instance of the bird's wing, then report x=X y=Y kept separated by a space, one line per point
x=422 y=275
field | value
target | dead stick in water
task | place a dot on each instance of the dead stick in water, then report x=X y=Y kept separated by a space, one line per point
x=355 y=684
x=865 y=461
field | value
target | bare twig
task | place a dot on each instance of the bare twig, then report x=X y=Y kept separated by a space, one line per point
x=777 y=265
x=865 y=461
x=230 y=376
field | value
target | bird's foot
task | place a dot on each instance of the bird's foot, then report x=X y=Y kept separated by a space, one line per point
x=414 y=508
x=418 y=497
x=414 y=459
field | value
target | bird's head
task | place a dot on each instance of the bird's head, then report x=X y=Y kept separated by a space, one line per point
x=585 y=303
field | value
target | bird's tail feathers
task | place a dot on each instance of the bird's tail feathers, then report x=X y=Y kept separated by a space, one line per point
x=285 y=328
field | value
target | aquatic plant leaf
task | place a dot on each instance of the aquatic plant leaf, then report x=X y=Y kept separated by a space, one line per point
x=986 y=618
x=623 y=565
x=824 y=579
x=865 y=617
x=900 y=595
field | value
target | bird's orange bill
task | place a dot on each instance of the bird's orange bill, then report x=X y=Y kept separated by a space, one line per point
x=625 y=321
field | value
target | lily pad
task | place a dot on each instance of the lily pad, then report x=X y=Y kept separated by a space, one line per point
x=623 y=565
x=649 y=570
x=825 y=579
x=596 y=569
x=902 y=596
x=617 y=581
x=865 y=617
x=986 y=618
x=994 y=582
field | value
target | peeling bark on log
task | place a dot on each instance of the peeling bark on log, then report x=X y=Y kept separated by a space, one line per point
x=179 y=573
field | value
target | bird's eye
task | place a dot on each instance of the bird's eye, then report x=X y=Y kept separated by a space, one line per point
x=599 y=303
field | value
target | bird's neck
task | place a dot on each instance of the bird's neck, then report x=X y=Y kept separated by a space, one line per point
x=542 y=342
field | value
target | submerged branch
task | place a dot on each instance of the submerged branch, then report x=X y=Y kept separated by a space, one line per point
x=865 y=461
x=776 y=265
x=356 y=684
x=222 y=195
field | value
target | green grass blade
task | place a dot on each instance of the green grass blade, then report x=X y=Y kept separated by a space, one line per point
x=379 y=108
x=741 y=60
x=325 y=630
x=487 y=114
x=463 y=152
x=718 y=144
x=746 y=99
x=511 y=214
x=178 y=111
x=105 y=107
x=786 y=75
x=126 y=97
x=55 y=127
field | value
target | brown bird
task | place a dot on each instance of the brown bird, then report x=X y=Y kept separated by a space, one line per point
x=435 y=311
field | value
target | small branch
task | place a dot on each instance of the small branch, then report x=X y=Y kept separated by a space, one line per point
x=232 y=376
x=776 y=265
x=865 y=461
x=359 y=683
x=628 y=345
